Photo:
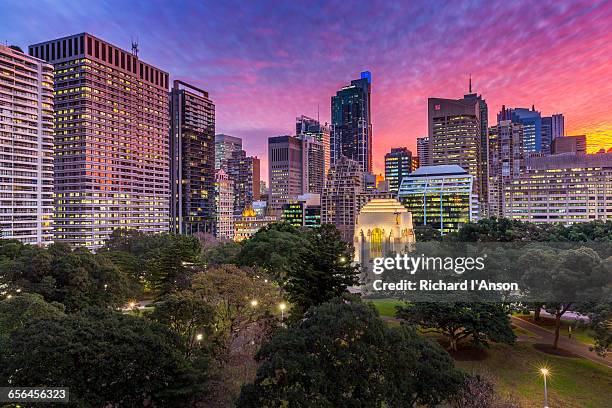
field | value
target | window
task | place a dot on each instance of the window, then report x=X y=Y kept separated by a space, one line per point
x=97 y=48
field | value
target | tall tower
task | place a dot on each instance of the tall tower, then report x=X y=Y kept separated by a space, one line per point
x=398 y=164
x=305 y=126
x=351 y=129
x=484 y=145
x=285 y=168
x=244 y=171
x=26 y=141
x=111 y=140
x=192 y=160
x=455 y=136
x=423 y=151
x=224 y=146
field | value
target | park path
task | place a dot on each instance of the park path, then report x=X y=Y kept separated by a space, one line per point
x=572 y=345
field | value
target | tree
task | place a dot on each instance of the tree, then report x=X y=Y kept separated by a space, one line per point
x=315 y=362
x=187 y=315
x=426 y=233
x=277 y=248
x=240 y=299
x=563 y=279
x=479 y=392
x=325 y=272
x=106 y=359
x=477 y=322
x=76 y=278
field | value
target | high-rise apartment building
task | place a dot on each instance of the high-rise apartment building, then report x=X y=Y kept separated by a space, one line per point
x=558 y=126
x=455 y=136
x=305 y=126
x=285 y=175
x=423 y=151
x=570 y=144
x=313 y=165
x=192 y=160
x=343 y=196
x=440 y=196
x=305 y=211
x=562 y=188
x=351 y=127
x=26 y=141
x=224 y=146
x=244 y=171
x=506 y=162
x=111 y=140
x=398 y=164
x=547 y=138
x=532 y=126
x=224 y=205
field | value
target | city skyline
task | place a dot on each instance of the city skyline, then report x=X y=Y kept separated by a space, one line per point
x=262 y=72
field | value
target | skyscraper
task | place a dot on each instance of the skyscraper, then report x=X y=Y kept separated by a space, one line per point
x=553 y=127
x=26 y=141
x=343 y=196
x=351 y=128
x=313 y=165
x=532 y=126
x=224 y=205
x=224 y=146
x=244 y=171
x=398 y=164
x=192 y=160
x=455 y=136
x=423 y=151
x=506 y=162
x=285 y=161
x=111 y=140
x=305 y=126
x=484 y=137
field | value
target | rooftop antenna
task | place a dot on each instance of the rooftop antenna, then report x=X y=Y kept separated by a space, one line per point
x=135 y=47
x=318 y=120
x=470 y=83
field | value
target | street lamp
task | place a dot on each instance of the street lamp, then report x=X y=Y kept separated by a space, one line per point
x=254 y=302
x=545 y=373
x=199 y=337
x=132 y=305
x=282 y=307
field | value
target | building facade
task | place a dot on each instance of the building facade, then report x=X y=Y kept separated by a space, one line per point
x=224 y=146
x=423 y=151
x=532 y=126
x=305 y=126
x=484 y=143
x=562 y=188
x=570 y=144
x=192 y=160
x=383 y=228
x=506 y=162
x=398 y=164
x=455 y=136
x=440 y=196
x=247 y=225
x=26 y=141
x=244 y=171
x=303 y=212
x=343 y=196
x=285 y=161
x=111 y=164
x=224 y=205
x=313 y=165
x=351 y=127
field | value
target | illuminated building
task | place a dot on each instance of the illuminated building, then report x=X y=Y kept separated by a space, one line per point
x=285 y=160
x=111 y=159
x=570 y=144
x=224 y=205
x=305 y=126
x=351 y=128
x=192 y=160
x=562 y=188
x=26 y=140
x=398 y=164
x=423 y=151
x=506 y=162
x=313 y=165
x=455 y=136
x=305 y=211
x=553 y=127
x=532 y=126
x=224 y=146
x=249 y=223
x=383 y=228
x=482 y=178
x=439 y=196
x=244 y=171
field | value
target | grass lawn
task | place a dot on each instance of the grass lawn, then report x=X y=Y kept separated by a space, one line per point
x=579 y=331
x=386 y=307
x=573 y=382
